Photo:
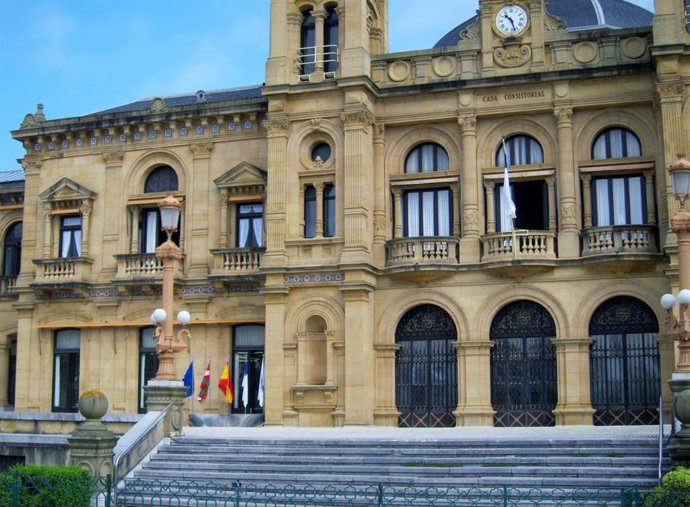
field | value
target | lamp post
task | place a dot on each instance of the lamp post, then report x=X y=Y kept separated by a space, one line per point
x=679 y=330
x=169 y=253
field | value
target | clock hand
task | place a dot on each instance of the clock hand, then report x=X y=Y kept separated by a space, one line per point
x=505 y=15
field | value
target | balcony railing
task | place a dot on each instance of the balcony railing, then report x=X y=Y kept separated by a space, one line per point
x=529 y=245
x=7 y=282
x=428 y=250
x=143 y=265
x=236 y=261
x=67 y=269
x=619 y=239
x=309 y=57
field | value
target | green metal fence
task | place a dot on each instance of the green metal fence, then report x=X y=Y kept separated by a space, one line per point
x=158 y=493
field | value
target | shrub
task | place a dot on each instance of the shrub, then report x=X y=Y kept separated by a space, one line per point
x=43 y=486
x=673 y=492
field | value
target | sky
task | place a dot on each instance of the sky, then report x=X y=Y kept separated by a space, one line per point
x=81 y=56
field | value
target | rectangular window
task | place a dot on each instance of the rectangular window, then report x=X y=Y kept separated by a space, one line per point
x=329 y=211
x=66 y=371
x=687 y=15
x=531 y=205
x=309 y=212
x=148 y=363
x=618 y=200
x=427 y=213
x=250 y=225
x=248 y=355
x=149 y=230
x=70 y=236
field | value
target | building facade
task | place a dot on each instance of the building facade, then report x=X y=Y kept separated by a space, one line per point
x=345 y=225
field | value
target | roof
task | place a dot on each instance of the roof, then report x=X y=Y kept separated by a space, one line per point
x=578 y=15
x=11 y=176
x=200 y=97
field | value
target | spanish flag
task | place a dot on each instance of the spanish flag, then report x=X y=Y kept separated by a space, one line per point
x=225 y=384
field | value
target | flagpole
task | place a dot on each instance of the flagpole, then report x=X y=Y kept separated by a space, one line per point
x=512 y=220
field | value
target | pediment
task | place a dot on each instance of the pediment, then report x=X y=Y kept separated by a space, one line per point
x=243 y=174
x=67 y=190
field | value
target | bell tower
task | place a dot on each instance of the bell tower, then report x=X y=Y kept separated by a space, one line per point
x=318 y=40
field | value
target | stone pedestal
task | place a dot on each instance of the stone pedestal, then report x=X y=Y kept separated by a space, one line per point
x=91 y=443
x=160 y=394
x=679 y=448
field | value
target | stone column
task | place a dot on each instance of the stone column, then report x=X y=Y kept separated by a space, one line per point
x=470 y=187
x=319 y=209
x=85 y=210
x=359 y=356
x=490 y=213
x=197 y=209
x=386 y=412
x=474 y=384
x=277 y=390
x=330 y=358
x=223 y=233
x=319 y=21
x=380 y=196
x=398 y=212
x=574 y=404
x=569 y=227
x=47 y=231
x=551 y=192
x=134 y=230
x=276 y=192
x=358 y=186
x=587 y=200
x=301 y=339
x=91 y=443
x=649 y=196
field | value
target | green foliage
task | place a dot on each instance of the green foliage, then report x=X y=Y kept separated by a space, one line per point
x=43 y=486
x=673 y=492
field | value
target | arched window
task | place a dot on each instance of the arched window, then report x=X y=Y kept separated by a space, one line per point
x=624 y=363
x=161 y=179
x=12 y=253
x=330 y=41
x=616 y=142
x=520 y=150
x=523 y=365
x=426 y=158
x=308 y=43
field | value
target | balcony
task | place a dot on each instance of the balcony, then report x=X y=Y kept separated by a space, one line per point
x=420 y=251
x=619 y=239
x=7 y=282
x=537 y=245
x=63 y=271
x=140 y=270
x=236 y=262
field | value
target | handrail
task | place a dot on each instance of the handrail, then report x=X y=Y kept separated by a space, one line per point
x=152 y=425
x=661 y=434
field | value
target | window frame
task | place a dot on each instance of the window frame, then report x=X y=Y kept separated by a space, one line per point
x=511 y=148
x=250 y=217
x=626 y=177
x=146 y=354
x=160 y=179
x=439 y=155
x=71 y=358
x=421 y=213
x=12 y=250
x=75 y=239
x=606 y=135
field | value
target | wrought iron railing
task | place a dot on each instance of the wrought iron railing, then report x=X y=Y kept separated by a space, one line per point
x=237 y=493
x=619 y=239
x=426 y=250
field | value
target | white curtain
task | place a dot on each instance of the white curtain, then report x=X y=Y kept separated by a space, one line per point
x=637 y=213
x=619 y=215
x=616 y=140
x=428 y=158
x=601 y=191
x=633 y=145
x=428 y=214
x=444 y=213
x=151 y=230
x=412 y=163
x=599 y=151
x=243 y=232
x=412 y=214
x=258 y=226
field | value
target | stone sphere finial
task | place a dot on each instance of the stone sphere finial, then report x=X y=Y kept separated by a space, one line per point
x=93 y=405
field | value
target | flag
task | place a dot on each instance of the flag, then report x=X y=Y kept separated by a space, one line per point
x=262 y=382
x=225 y=384
x=188 y=380
x=507 y=204
x=203 y=388
x=245 y=385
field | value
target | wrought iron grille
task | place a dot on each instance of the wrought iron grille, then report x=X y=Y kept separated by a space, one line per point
x=426 y=385
x=523 y=366
x=624 y=363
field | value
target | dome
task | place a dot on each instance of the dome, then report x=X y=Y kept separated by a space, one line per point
x=578 y=15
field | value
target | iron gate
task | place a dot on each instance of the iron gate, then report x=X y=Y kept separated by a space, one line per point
x=523 y=366
x=624 y=363
x=426 y=385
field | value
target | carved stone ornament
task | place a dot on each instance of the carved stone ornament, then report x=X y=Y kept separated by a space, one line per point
x=568 y=210
x=680 y=222
x=202 y=149
x=316 y=124
x=669 y=90
x=358 y=118
x=471 y=32
x=158 y=105
x=563 y=114
x=113 y=157
x=513 y=55
x=277 y=125
x=380 y=225
x=31 y=163
x=471 y=217
x=553 y=23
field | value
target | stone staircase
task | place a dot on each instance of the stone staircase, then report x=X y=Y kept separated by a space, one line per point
x=498 y=469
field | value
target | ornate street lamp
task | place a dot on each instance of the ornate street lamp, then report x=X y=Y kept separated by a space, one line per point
x=169 y=253
x=679 y=448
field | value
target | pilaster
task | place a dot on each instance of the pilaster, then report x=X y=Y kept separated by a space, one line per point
x=276 y=192
x=385 y=412
x=474 y=384
x=276 y=394
x=198 y=208
x=470 y=186
x=574 y=404
x=569 y=227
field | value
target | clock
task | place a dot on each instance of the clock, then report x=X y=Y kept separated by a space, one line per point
x=511 y=20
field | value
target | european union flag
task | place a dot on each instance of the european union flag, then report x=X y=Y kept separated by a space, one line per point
x=188 y=380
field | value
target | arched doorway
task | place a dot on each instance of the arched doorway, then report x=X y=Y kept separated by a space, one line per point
x=624 y=363
x=426 y=378
x=523 y=366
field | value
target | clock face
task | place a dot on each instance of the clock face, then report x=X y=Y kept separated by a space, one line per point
x=511 y=20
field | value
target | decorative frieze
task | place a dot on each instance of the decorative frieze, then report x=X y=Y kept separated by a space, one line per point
x=336 y=277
